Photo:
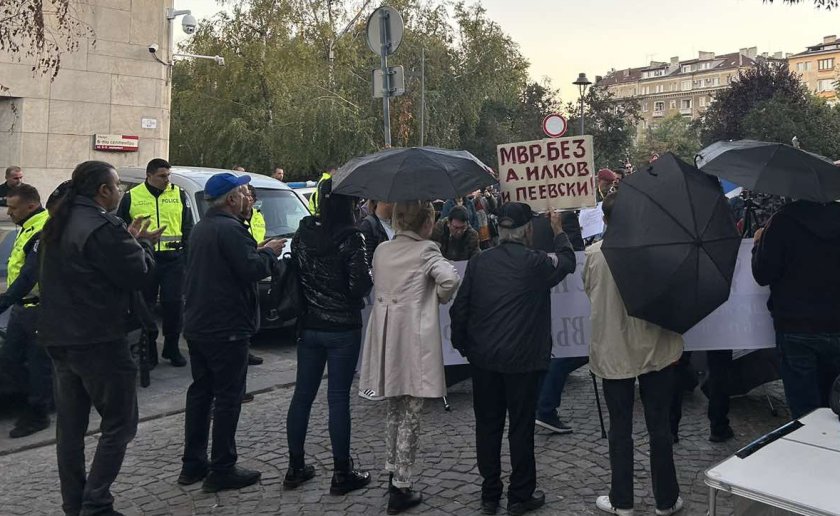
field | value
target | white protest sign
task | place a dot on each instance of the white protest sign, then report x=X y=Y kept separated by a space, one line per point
x=554 y=173
x=743 y=322
x=591 y=221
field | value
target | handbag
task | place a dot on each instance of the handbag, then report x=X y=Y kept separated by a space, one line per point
x=286 y=293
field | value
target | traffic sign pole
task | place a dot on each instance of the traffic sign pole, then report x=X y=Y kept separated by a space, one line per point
x=385 y=43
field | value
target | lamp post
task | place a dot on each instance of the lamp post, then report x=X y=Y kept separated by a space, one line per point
x=582 y=83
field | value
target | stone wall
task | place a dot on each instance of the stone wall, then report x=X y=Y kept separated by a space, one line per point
x=107 y=86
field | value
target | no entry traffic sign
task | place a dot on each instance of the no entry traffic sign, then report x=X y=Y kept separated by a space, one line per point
x=554 y=125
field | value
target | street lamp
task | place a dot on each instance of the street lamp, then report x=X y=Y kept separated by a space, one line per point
x=582 y=83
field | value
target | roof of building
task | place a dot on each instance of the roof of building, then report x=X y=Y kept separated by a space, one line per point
x=722 y=62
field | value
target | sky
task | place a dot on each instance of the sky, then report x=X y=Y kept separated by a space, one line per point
x=562 y=38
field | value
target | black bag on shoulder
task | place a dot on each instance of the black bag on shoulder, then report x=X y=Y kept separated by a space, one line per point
x=286 y=293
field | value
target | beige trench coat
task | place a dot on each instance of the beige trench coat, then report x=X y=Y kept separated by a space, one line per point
x=622 y=346
x=402 y=352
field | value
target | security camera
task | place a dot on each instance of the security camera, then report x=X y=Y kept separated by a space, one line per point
x=153 y=48
x=219 y=60
x=188 y=23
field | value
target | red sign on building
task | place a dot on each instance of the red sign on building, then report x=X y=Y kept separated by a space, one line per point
x=115 y=142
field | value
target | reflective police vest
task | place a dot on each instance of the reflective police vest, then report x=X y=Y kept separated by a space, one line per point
x=314 y=208
x=164 y=210
x=29 y=229
x=257 y=226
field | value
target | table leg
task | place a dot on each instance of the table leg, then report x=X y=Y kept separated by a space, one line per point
x=712 y=501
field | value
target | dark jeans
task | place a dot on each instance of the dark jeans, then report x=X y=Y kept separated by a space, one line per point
x=218 y=371
x=339 y=351
x=494 y=396
x=719 y=362
x=551 y=392
x=105 y=375
x=655 y=390
x=684 y=380
x=810 y=363
x=168 y=282
x=25 y=363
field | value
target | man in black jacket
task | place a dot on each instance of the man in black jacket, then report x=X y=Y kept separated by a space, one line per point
x=222 y=313
x=90 y=265
x=376 y=227
x=501 y=321
x=797 y=254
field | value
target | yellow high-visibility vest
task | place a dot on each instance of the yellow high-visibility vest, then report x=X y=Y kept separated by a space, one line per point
x=164 y=210
x=314 y=208
x=29 y=229
x=257 y=226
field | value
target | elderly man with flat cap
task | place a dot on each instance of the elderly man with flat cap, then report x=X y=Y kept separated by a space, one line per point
x=501 y=321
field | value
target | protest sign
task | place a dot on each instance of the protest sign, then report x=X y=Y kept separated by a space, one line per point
x=549 y=174
x=743 y=322
x=591 y=221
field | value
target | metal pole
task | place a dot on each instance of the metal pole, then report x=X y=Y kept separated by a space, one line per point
x=385 y=40
x=422 y=95
x=581 y=112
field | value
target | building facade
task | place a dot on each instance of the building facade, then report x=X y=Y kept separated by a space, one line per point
x=819 y=67
x=112 y=85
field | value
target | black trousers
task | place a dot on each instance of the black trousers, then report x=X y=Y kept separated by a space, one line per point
x=720 y=362
x=218 y=371
x=494 y=396
x=168 y=284
x=656 y=390
x=104 y=375
x=25 y=363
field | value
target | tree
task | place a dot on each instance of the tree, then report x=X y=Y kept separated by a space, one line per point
x=815 y=124
x=675 y=134
x=40 y=31
x=723 y=120
x=827 y=4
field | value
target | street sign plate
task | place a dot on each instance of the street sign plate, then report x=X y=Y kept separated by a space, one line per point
x=394 y=29
x=554 y=125
x=397 y=82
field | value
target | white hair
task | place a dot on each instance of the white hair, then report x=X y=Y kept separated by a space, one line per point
x=518 y=235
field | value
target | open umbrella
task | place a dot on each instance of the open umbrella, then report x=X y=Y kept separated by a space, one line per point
x=773 y=168
x=415 y=173
x=671 y=244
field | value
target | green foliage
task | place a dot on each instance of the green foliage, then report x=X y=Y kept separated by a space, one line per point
x=675 y=134
x=814 y=123
x=281 y=101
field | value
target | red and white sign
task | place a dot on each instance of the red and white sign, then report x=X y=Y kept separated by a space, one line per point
x=554 y=125
x=116 y=142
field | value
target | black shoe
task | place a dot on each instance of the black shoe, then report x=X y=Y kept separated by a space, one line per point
x=721 y=437
x=554 y=424
x=28 y=425
x=247 y=398
x=234 y=478
x=254 y=359
x=173 y=354
x=489 y=506
x=346 y=478
x=403 y=498
x=187 y=477
x=537 y=500
x=297 y=476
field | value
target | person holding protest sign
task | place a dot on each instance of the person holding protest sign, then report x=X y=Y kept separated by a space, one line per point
x=501 y=322
x=622 y=349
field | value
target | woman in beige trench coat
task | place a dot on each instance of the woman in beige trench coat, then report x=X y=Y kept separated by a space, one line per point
x=402 y=360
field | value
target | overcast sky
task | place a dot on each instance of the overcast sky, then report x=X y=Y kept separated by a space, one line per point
x=564 y=37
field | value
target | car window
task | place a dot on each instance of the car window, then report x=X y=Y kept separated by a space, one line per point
x=282 y=210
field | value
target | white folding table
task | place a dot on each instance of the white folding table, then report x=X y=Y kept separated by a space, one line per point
x=799 y=472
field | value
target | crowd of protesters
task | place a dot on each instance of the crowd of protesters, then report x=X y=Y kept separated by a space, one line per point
x=501 y=322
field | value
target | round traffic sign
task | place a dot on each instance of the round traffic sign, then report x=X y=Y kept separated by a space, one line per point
x=554 y=125
x=393 y=33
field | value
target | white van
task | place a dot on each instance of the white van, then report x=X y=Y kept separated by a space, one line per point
x=281 y=207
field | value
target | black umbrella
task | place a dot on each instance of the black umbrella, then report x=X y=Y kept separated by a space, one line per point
x=415 y=173
x=671 y=244
x=773 y=168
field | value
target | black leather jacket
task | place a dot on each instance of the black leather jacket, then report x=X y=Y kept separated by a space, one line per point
x=374 y=233
x=334 y=274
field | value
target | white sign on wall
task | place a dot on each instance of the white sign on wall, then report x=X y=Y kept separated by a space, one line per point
x=148 y=123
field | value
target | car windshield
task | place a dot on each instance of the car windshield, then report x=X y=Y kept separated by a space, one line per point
x=282 y=210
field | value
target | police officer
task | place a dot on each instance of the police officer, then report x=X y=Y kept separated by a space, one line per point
x=167 y=207
x=22 y=359
x=256 y=222
x=314 y=207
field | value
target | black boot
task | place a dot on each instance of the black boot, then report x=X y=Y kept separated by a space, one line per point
x=171 y=351
x=234 y=478
x=346 y=478
x=401 y=498
x=298 y=473
x=30 y=422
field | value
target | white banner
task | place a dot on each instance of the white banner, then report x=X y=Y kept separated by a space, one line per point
x=743 y=322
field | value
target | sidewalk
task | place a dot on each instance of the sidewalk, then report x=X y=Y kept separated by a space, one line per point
x=572 y=469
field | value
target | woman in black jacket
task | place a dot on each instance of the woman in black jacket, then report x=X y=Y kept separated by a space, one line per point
x=335 y=277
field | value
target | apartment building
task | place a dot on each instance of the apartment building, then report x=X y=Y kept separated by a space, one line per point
x=819 y=66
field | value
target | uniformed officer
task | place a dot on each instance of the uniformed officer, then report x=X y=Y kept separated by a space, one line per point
x=256 y=223
x=22 y=359
x=167 y=207
x=314 y=208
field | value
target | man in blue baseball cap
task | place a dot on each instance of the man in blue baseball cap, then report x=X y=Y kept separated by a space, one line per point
x=222 y=313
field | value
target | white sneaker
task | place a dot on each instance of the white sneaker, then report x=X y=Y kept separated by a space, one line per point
x=604 y=503
x=675 y=509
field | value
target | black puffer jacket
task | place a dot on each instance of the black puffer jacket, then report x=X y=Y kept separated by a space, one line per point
x=334 y=274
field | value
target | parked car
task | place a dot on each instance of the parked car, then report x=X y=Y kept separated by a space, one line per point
x=281 y=207
x=304 y=189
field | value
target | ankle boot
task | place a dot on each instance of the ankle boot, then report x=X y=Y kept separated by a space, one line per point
x=346 y=478
x=171 y=351
x=298 y=473
x=402 y=498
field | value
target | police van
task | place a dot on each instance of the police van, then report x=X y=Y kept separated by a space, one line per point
x=279 y=205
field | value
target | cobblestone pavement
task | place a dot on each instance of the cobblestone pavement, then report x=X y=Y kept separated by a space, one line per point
x=572 y=469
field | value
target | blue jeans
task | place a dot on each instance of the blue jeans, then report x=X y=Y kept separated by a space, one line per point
x=316 y=349
x=810 y=362
x=551 y=392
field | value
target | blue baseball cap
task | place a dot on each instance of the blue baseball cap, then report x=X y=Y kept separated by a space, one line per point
x=222 y=183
